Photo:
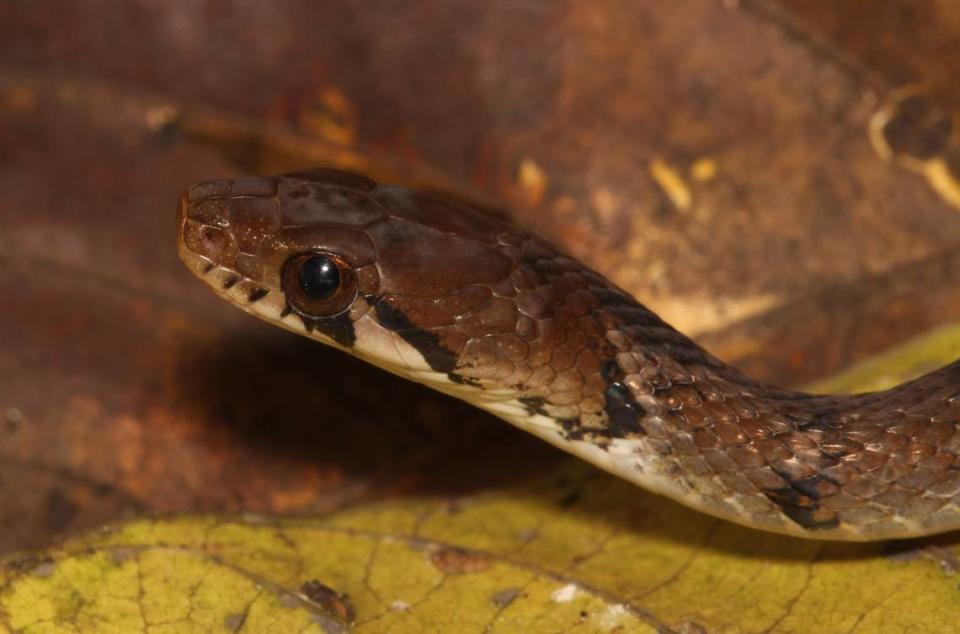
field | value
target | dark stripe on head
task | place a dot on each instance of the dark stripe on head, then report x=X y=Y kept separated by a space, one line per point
x=339 y=328
x=463 y=380
x=425 y=342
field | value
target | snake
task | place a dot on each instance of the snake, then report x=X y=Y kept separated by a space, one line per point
x=464 y=301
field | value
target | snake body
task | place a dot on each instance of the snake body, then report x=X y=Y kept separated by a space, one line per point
x=470 y=305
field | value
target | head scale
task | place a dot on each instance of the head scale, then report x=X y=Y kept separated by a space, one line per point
x=402 y=279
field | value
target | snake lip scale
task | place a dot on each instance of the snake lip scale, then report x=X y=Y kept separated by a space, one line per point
x=470 y=305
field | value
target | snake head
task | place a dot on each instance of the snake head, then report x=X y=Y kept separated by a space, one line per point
x=405 y=280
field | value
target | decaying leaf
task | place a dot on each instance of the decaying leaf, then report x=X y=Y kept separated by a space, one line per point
x=573 y=550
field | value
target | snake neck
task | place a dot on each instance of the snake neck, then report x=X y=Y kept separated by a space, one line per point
x=607 y=379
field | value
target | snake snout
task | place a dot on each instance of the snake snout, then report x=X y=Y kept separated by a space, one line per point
x=211 y=243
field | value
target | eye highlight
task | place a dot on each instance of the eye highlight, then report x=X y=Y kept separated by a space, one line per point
x=319 y=284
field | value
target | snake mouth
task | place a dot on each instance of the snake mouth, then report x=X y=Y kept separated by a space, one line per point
x=197 y=263
x=188 y=257
x=194 y=241
x=204 y=228
x=207 y=246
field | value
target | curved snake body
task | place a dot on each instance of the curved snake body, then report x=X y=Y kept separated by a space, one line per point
x=472 y=306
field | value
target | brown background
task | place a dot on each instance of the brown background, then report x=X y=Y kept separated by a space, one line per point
x=125 y=388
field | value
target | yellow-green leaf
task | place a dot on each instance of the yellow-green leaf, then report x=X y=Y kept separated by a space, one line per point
x=575 y=550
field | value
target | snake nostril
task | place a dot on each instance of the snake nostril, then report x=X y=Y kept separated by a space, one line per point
x=211 y=239
x=210 y=242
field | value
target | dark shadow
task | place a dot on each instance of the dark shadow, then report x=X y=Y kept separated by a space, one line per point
x=284 y=395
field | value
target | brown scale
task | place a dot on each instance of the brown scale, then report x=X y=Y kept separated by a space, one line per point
x=500 y=309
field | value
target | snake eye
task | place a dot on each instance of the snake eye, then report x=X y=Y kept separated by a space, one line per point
x=319 y=284
x=319 y=277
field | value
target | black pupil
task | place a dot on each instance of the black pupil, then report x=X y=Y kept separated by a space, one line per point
x=319 y=277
